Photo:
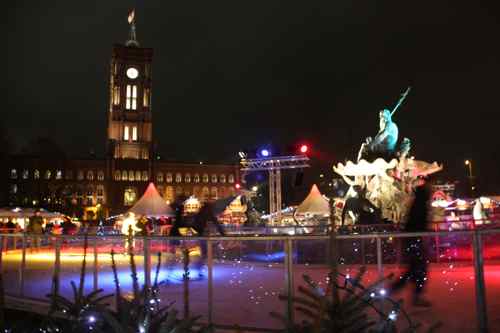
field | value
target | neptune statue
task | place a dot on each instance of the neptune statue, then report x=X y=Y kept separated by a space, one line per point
x=384 y=143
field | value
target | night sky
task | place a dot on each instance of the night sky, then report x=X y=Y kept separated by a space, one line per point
x=237 y=74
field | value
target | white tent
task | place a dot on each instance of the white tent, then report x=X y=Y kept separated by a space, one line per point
x=151 y=204
x=314 y=204
x=28 y=212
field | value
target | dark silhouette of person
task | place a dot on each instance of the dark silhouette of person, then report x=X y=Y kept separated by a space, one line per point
x=35 y=227
x=11 y=226
x=200 y=223
x=413 y=247
x=205 y=215
x=364 y=211
x=179 y=221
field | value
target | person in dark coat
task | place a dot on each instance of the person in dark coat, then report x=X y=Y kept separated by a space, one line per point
x=200 y=224
x=414 y=248
x=361 y=208
x=35 y=227
x=205 y=215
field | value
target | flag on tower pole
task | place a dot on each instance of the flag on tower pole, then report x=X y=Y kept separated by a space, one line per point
x=131 y=16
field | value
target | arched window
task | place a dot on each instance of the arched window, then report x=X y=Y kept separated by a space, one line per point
x=100 y=190
x=90 y=197
x=197 y=192
x=169 y=177
x=146 y=98
x=124 y=175
x=187 y=178
x=80 y=175
x=169 y=194
x=137 y=175
x=232 y=191
x=160 y=190
x=222 y=178
x=129 y=196
x=205 y=178
x=59 y=174
x=231 y=179
x=26 y=174
x=205 y=193
x=48 y=174
x=131 y=175
x=69 y=174
x=145 y=176
x=131 y=98
x=213 y=193
x=118 y=175
x=36 y=174
x=214 y=178
x=196 y=178
x=13 y=174
x=116 y=95
x=178 y=178
x=222 y=192
x=100 y=194
x=159 y=177
x=100 y=175
x=178 y=191
x=90 y=175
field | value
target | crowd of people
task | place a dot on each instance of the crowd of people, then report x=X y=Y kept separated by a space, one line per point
x=36 y=224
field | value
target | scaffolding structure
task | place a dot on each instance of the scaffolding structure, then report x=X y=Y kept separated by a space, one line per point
x=274 y=165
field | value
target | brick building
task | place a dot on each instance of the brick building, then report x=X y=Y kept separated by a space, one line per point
x=114 y=183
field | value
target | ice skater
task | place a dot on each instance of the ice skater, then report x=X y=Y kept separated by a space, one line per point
x=414 y=249
x=205 y=215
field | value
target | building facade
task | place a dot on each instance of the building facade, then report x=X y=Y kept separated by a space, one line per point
x=112 y=184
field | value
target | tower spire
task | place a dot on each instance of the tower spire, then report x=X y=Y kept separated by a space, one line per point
x=132 y=38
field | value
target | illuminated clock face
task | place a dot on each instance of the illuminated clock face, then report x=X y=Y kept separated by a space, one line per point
x=132 y=73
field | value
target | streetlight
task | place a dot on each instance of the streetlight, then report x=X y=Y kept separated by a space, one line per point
x=469 y=164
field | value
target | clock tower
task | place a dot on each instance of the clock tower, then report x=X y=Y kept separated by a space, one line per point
x=130 y=127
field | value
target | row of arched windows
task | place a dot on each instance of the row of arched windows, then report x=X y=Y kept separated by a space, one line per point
x=203 y=193
x=196 y=178
x=57 y=174
x=131 y=175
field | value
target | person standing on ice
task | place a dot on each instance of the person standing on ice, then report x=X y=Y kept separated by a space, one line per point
x=129 y=228
x=413 y=247
x=478 y=213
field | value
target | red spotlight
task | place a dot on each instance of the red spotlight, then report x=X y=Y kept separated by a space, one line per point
x=238 y=186
x=304 y=149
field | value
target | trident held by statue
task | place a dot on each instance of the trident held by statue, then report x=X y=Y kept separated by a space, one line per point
x=403 y=97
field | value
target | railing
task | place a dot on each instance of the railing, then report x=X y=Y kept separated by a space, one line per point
x=297 y=255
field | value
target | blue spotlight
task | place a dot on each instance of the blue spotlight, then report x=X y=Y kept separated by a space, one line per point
x=265 y=153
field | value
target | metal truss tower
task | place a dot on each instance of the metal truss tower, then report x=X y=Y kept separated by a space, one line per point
x=274 y=165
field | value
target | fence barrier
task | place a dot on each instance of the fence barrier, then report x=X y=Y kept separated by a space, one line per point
x=298 y=250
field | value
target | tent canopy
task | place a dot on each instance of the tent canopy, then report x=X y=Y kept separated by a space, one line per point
x=222 y=204
x=28 y=212
x=314 y=204
x=151 y=204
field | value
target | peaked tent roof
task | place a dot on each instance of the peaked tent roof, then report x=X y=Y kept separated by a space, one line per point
x=222 y=204
x=151 y=204
x=314 y=203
